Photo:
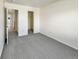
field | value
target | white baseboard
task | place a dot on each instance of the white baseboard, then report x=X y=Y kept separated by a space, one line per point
x=61 y=41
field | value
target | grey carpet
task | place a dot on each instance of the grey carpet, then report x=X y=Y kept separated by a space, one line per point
x=36 y=46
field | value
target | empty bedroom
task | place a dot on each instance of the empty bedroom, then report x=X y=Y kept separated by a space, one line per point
x=38 y=29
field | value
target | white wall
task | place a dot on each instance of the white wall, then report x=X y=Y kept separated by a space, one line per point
x=59 y=21
x=1 y=26
x=23 y=17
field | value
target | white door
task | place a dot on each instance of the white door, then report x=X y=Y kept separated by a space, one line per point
x=6 y=25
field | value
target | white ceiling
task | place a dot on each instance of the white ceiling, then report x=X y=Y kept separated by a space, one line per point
x=34 y=3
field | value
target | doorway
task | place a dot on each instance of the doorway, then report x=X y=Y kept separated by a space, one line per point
x=30 y=22
x=11 y=22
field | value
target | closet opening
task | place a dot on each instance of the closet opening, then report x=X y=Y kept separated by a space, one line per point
x=30 y=22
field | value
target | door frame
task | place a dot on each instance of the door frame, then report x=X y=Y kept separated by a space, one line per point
x=6 y=25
